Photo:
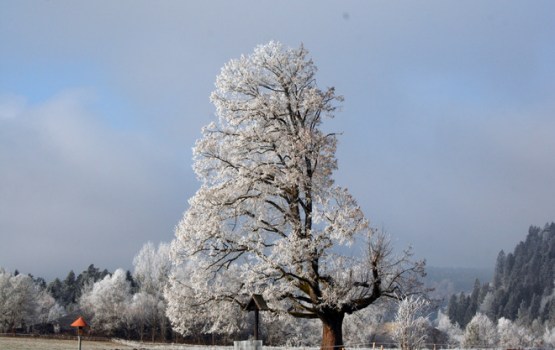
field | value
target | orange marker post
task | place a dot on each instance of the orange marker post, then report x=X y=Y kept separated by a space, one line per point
x=79 y=324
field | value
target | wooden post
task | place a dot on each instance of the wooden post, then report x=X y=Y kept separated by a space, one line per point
x=80 y=324
x=256 y=304
x=256 y=320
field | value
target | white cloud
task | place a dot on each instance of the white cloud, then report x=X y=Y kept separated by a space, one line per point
x=11 y=106
x=71 y=185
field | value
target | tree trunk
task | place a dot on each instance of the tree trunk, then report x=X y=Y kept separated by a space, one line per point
x=332 y=332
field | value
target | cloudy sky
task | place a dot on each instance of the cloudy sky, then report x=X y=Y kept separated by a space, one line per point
x=448 y=123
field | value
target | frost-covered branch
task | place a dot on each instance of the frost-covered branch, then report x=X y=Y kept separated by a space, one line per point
x=268 y=218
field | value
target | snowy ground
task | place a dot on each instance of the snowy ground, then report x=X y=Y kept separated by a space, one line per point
x=150 y=346
x=10 y=343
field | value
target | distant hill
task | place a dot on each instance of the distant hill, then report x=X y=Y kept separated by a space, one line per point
x=451 y=280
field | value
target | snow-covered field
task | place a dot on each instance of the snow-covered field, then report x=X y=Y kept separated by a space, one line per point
x=9 y=343
x=149 y=346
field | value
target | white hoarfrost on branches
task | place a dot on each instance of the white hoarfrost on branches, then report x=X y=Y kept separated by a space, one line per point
x=152 y=267
x=268 y=217
x=108 y=301
x=18 y=303
x=480 y=332
x=453 y=331
x=23 y=302
x=513 y=336
x=411 y=327
x=549 y=337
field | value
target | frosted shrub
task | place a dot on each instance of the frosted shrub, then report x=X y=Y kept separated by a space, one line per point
x=453 y=331
x=513 y=336
x=411 y=327
x=480 y=333
x=549 y=337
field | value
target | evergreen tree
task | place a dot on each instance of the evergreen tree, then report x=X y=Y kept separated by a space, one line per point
x=535 y=307
x=499 y=270
x=134 y=287
x=452 y=309
x=522 y=287
x=39 y=281
x=461 y=316
x=473 y=301
x=55 y=289
x=69 y=289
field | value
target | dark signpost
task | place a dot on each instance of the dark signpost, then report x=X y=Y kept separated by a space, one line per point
x=256 y=304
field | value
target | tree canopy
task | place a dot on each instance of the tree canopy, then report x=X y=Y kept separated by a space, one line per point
x=268 y=217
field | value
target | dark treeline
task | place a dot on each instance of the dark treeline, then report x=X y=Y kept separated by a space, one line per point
x=68 y=291
x=28 y=302
x=522 y=287
x=463 y=307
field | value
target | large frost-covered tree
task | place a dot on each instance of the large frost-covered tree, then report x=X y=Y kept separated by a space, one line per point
x=268 y=217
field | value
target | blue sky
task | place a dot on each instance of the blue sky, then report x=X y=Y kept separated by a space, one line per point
x=447 y=125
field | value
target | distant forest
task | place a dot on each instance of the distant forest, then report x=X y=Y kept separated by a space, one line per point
x=522 y=287
x=68 y=291
x=119 y=303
